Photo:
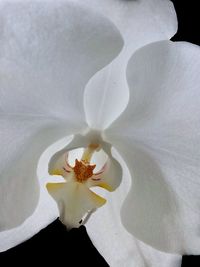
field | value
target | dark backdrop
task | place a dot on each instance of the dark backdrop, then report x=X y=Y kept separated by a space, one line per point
x=54 y=245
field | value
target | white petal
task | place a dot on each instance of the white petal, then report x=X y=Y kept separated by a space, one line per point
x=49 y=50
x=46 y=210
x=74 y=200
x=158 y=137
x=22 y=142
x=44 y=214
x=115 y=244
x=140 y=22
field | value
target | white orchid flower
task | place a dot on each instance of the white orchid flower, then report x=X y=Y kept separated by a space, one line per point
x=71 y=69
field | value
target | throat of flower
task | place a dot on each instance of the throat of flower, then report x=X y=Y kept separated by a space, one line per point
x=83 y=170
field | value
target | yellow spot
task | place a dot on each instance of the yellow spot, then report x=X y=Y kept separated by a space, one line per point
x=106 y=186
x=94 y=146
x=99 y=201
x=56 y=172
x=54 y=186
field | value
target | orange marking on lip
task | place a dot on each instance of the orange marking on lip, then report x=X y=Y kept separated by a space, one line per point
x=83 y=171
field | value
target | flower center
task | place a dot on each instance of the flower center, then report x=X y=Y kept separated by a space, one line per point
x=83 y=171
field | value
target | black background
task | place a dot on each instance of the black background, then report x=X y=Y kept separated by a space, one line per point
x=54 y=245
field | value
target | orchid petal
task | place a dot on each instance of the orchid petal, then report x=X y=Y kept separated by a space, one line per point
x=45 y=213
x=116 y=245
x=48 y=51
x=140 y=22
x=46 y=210
x=158 y=137
x=22 y=142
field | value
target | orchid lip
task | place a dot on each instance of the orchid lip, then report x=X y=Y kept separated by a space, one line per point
x=74 y=197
